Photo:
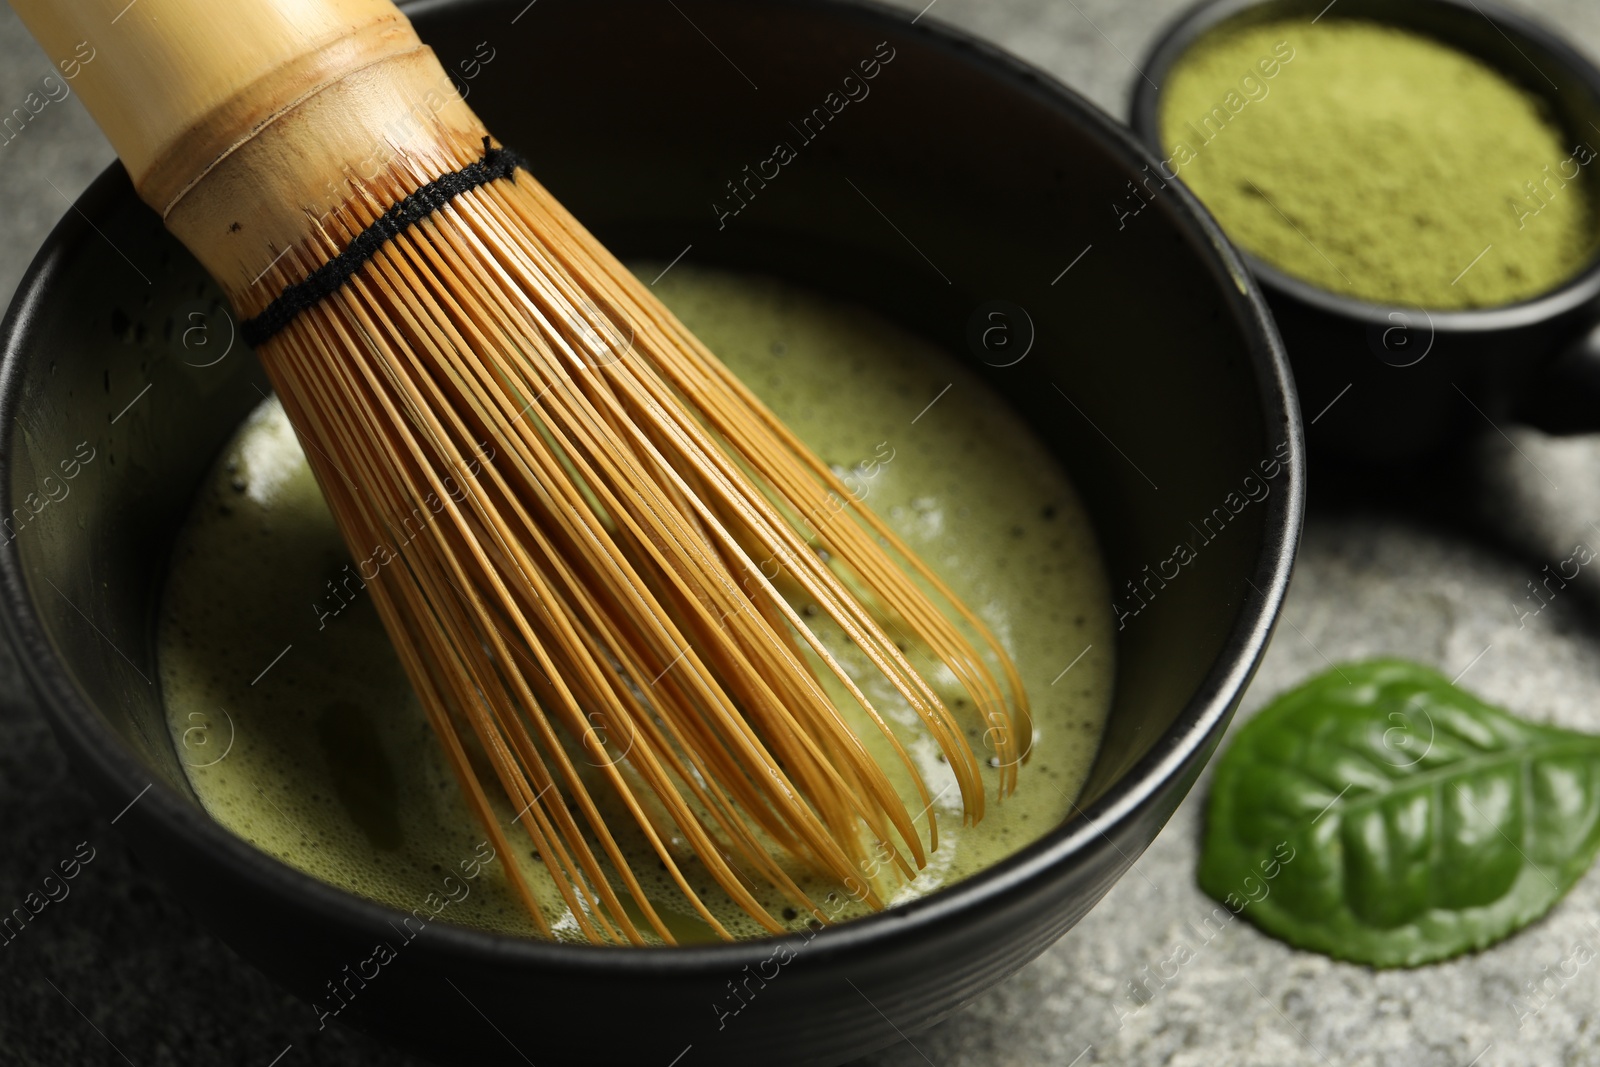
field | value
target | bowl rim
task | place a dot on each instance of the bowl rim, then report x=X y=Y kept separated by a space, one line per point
x=1188 y=740
x=1200 y=17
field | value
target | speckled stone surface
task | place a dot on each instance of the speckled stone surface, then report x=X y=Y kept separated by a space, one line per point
x=118 y=973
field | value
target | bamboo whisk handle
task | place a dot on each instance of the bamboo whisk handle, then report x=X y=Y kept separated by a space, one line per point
x=170 y=77
x=258 y=110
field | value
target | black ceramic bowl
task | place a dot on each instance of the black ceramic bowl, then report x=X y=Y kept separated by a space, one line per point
x=1148 y=364
x=1387 y=385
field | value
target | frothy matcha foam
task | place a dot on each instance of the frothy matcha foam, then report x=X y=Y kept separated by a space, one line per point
x=301 y=733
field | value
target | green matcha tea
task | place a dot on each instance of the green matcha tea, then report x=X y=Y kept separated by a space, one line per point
x=1379 y=163
x=301 y=734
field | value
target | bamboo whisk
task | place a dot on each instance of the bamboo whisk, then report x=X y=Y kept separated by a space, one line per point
x=585 y=526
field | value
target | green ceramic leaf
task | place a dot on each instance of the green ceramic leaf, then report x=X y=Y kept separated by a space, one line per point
x=1379 y=814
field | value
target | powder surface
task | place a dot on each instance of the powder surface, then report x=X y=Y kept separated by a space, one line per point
x=1379 y=163
x=301 y=734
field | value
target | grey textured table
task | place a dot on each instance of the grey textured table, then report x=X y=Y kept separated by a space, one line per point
x=118 y=973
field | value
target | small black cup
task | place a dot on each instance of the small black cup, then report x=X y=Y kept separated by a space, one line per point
x=1388 y=385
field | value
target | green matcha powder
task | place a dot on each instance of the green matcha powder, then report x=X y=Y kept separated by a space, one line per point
x=1378 y=163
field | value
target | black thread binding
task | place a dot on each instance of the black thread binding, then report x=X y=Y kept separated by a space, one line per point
x=496 y=163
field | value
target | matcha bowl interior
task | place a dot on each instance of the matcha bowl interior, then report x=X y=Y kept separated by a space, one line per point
x=1407 y=379
x=953 y=179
